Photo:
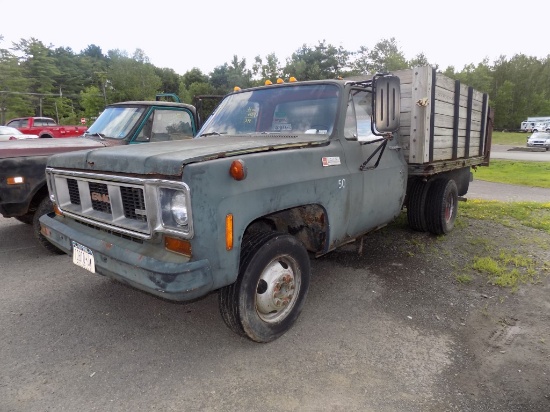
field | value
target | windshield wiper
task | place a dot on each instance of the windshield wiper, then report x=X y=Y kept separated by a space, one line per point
x=212 y=134
x=100 y=135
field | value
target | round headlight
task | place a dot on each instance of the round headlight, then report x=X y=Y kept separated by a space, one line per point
x=178 y=208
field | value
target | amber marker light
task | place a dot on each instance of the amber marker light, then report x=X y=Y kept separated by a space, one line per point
x=292 y=79
x=229 y=232
x=15 y=180
x=279 y=81
x=268 y=82
x=176 y=245
x=236 y=89
x=237 y=170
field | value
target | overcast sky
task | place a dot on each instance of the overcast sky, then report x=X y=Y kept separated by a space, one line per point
x=180 y=34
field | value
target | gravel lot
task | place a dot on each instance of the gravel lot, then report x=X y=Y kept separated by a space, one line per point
x=388 y=329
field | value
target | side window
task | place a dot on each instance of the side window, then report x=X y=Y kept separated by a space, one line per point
x=165 y=124
x=350 y=126
x=50 y=122
x=359 y=117
x=24 y=123
x=13 y=123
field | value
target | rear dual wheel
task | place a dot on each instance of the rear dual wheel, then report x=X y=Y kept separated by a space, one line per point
x=441 y=206
x=416 y=204
x=432 y=206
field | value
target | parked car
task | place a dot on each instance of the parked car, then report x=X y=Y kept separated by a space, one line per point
x=539 y=139
x=11 y=133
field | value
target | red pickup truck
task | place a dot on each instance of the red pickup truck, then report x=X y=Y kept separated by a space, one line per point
x=45 y=127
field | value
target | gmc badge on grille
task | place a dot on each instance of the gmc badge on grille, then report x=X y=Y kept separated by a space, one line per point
x=100 y=197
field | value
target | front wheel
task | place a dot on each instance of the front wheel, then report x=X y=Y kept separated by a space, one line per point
x=441 y=206
x=271 y=287
x=26 y=218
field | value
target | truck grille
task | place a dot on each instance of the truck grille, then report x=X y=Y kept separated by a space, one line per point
x=134 y=203
x=73 y=191
x=118 y=205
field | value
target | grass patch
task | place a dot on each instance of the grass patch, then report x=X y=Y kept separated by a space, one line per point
x=530 y=214
x=507 y=270
x=510 y=138
x=464 y=279
x=536 y=174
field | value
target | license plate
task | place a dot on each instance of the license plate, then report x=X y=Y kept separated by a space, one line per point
x=83 y=257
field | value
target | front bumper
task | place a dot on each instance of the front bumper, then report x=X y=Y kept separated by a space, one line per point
x=539 y=144
x=178 y=281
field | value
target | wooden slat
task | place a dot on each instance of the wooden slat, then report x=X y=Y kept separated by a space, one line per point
x=417 y=105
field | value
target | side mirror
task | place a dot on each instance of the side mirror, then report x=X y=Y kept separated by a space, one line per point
x=386 y=103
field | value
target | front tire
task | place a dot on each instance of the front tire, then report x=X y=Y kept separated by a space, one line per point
x=27 y=218
x=270 y=290
x=441 y=206
x=45 y=207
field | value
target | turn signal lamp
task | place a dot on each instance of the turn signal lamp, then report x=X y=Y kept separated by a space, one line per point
x=15 y=180
x=237 y=170
x=279 y=81
x=268 y=82
x=229 y=232
x=181 y=246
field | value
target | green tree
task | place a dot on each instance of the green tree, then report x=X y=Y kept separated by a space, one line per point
x=324 y=61
x=92 y=103
x=13 y=86
x=504 y=107
x=38 y=65
x=270 y=70
x=385 y=56
x=131 y=78
x=169 y=78
x=419 y=60
x=238 y=74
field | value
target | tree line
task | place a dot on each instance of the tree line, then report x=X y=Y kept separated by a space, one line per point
x=36 y=79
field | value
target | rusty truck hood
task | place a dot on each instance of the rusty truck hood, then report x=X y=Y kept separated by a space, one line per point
x=169 y=158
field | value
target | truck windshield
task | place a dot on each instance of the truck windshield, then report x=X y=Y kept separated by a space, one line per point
x=116 y=122
x=290 y=108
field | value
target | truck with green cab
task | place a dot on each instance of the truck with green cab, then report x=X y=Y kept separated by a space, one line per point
x=277 y=175
x=23 y=188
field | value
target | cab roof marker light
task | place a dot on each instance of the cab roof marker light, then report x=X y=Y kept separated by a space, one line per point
x=292 y=79
x=268 y=82
x=279 y=81
x=236 y=89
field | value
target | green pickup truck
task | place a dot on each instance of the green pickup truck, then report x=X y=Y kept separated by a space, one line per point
x=278 y=174
x=23 y=189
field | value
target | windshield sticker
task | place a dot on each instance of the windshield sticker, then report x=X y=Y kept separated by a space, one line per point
x=281 y=127
x=330 y=161
x=251 y=115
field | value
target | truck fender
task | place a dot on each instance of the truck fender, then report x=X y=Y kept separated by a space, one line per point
x=308 y=223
